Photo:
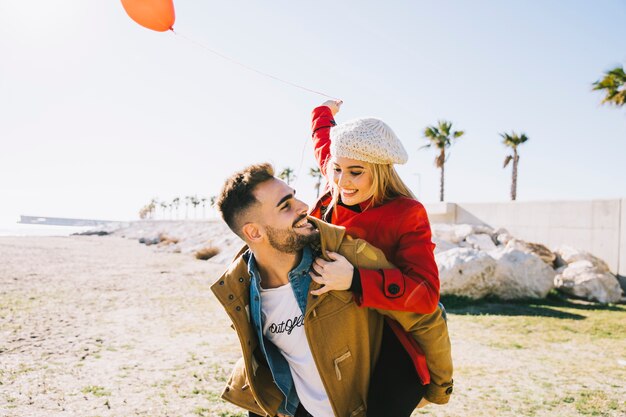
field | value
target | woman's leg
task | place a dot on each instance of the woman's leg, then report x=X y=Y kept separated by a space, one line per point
x=300 y=412
x=395 y=389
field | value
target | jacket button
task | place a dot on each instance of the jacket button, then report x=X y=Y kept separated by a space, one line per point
x=449 y=390
x=241 y=279
x=222 y=282
x=238 y=308
x=227 y=389
x=393 y=289
x=230 y=297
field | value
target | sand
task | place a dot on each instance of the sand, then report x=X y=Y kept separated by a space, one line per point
x=104 y=326
x=108 y=327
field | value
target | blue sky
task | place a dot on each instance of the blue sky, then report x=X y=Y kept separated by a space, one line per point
x=98 y=114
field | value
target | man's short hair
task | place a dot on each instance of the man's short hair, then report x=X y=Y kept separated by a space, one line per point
x=237 y=195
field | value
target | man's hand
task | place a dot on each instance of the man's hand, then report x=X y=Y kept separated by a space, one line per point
x=333 y=105
x=423 y=403
x=282 y=415
x=334 y=275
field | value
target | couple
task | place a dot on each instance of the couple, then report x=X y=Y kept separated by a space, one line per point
x=330 y=325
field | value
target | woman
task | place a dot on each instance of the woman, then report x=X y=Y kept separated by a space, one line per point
x=370 y=200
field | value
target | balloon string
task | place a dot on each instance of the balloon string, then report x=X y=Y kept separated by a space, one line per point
x=249 y=68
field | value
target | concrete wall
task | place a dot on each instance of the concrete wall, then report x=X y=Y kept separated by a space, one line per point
x=622 y=246
x=596 y=226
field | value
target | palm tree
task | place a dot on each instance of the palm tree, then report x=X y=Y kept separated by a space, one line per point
x=212 y=202
x=513 y=140
x=316 y=173
x=163 y=205
x=614 y=86
x=176 y=203
x=143 y=213
x=441 y=137
x=287 y=175
x=195 y=202
x=152 y=207
x=187 y=201
x=203 y=200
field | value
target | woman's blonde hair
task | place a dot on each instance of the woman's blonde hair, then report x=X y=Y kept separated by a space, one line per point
x=386 y=185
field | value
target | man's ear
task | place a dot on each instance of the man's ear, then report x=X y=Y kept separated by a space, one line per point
x=252 y=232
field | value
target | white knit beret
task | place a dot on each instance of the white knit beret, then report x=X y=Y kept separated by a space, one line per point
x=369 y=140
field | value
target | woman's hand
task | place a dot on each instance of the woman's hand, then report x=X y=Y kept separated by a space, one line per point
x=334 y=275
x=333 y=105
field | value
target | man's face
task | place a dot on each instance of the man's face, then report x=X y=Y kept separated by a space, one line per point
x=283 y=217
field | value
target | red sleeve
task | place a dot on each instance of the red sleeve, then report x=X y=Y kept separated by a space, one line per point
x=414 y=286
x=320 y=127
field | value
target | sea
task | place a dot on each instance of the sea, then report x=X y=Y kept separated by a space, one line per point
x=39 y=230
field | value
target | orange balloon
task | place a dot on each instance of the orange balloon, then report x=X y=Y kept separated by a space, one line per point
x=153 y=14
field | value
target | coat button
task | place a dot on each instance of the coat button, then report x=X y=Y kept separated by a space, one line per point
x=227 y=389
x=238 y=308
x=230 y=297
x=393 y=289
x=241 y=279
x=222 y=282
x=449 y=390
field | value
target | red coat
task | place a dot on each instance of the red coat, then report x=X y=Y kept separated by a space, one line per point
x=400 y=228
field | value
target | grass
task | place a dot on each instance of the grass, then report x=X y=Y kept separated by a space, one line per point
x=550 y=357
x=206 y=253
x=96 y=391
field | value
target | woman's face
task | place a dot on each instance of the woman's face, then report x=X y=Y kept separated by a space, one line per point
x=354 y=180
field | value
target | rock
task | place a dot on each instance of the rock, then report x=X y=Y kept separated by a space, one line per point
x=568 y=255
x=521 y=275
x=481 y=241
x=585 y=280
x=503 y=238
x=92 y=233
x=149 y=240
x=465 y=272
x=538 y=249
x=456 y=233
x=445 y=232
x=442 y=245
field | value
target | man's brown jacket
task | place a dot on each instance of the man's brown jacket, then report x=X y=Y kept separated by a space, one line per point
x=344 y=338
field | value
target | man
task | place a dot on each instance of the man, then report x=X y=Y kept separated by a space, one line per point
x=305 y=355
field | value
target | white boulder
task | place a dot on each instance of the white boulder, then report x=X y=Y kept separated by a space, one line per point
x=465 y=272
x=456 y=233
x=585 y=280
x=503 y=238
x=520 y=275
x=569 y=255
x=538 y=249
x=481 y=241
x=442 y=245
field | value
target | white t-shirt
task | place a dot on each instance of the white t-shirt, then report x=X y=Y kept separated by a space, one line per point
x=284 y=327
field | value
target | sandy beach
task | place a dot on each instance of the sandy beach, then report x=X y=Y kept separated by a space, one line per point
x=104 y=326
x=107 y=327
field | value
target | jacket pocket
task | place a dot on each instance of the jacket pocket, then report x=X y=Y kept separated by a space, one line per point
x=237 y=390
x=342 y=361
x=338 y=361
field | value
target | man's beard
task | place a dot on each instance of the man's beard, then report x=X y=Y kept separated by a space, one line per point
x=288 y=241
